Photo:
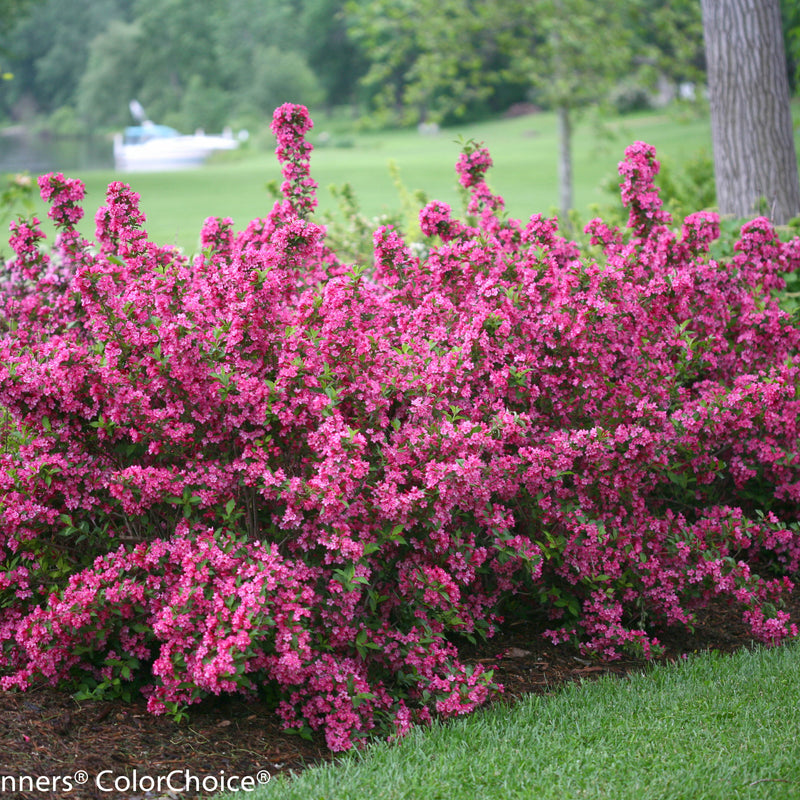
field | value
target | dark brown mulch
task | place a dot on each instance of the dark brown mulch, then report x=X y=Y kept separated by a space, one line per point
x=45 y=733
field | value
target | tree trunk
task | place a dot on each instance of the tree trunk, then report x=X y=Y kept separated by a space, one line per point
x=564 y=164
x=751 y=124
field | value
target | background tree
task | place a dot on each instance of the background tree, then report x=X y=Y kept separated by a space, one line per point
x=442 y=60
x=667 y=45
x=10 y=11
x=387 y=31
x=790 y=17
x=334 y=58
x=586 y=46
x=49 y=49
x=111 y=78
x=177 y=46
x=278 y=77
x=240 y=29
x=751 y=123
x=187 y=68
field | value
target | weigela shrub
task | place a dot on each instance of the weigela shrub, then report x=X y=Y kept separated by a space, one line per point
x=264 y=469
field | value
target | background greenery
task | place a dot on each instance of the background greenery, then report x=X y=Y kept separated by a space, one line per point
x=77 y=63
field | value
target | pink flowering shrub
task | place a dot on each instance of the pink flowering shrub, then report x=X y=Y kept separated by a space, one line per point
x=263 y=469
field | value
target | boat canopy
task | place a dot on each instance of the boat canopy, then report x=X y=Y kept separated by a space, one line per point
x=138 y=134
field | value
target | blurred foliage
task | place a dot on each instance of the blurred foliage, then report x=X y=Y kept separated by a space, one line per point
x=440 y=59
x=790 y=16
x=404 y=59
x=188 y=65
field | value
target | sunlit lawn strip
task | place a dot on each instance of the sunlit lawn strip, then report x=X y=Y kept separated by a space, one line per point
x=714 y=727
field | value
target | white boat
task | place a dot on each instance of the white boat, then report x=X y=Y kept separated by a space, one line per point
x=151 y=148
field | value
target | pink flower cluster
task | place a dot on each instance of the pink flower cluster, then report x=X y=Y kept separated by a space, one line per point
x=472 y=165
x=258 y=469
x=290 y=124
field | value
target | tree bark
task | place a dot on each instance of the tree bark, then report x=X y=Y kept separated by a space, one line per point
x=751 y=125
x=564 y=163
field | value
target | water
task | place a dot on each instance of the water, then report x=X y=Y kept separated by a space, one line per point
x=41 y=154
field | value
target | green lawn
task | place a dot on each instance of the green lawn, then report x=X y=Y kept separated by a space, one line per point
x=714 y=728
x=524 y=151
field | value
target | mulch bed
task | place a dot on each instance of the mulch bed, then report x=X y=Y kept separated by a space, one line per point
x=46 y=732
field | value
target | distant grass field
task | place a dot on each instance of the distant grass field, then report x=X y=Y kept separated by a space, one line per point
x=524 y=152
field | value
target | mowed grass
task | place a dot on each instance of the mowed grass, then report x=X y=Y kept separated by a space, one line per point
x=713 y=728
x=524 y=151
